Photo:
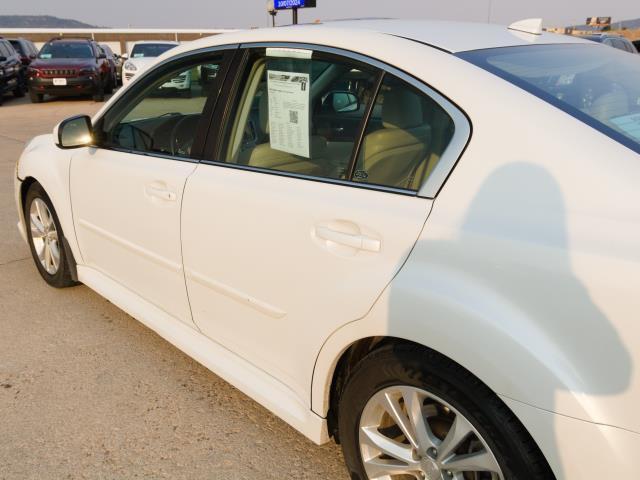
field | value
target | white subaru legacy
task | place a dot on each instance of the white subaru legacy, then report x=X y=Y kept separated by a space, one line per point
x=420 y=239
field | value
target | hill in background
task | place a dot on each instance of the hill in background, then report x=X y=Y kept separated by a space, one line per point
x=40 y=21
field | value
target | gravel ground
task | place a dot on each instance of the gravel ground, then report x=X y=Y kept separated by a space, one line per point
x=88 y=392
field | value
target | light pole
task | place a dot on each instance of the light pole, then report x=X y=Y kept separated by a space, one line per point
x=271 y=10
x=489 y=11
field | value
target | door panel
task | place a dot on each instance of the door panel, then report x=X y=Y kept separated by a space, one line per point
x=127 y=194
x=274 y=264
x=127 y=213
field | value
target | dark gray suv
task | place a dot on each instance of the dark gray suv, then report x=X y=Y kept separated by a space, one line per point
x=12 y=75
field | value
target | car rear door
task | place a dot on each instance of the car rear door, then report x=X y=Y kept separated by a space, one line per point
x=284 y=241
x=126 y=192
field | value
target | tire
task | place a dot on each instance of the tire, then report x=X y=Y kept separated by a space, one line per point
x=110 y=85
x=36 y=97
x=60 y=276
x=451 y=394
x=98 y=95
x=21 y=89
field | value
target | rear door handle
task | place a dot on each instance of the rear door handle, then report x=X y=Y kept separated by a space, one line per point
x=360 y=242
x=161 y=193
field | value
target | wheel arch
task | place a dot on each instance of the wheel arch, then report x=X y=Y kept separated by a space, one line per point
x=49 y=166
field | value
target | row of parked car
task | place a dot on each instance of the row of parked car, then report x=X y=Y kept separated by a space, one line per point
x=70 y=67
x=78 y=67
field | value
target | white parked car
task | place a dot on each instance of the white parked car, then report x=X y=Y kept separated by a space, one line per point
x=419 y=238
x=142 y=56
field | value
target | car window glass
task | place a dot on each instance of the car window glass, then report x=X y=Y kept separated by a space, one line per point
x=164 y=117
x=66 y=50
x=299 y=115
x=150 y=49
x=619 y=44
x=17 y=47
x=405 y=138
x=599 y=86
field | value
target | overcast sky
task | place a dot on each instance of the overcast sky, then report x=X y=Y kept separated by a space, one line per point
x=247 y=13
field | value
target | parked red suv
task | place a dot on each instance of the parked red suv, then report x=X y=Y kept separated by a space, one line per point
x=70 y=67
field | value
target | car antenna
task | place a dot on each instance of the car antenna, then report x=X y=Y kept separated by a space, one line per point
x=530 y=25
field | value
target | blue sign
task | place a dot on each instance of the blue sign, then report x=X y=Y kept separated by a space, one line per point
x=288 y=4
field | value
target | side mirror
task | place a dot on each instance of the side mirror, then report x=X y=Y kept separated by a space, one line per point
x=3 y=58
x=74 y=132
x=32 y=56
x=102 y=55
x=342 y=102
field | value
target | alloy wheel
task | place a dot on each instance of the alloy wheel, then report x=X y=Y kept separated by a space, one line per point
x=45 y=236
x=408 y=433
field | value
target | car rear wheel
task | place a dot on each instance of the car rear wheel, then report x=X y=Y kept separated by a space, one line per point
x=110 y=85
x=21 y=89
x=46 y=239
x=98 y=95
x=36 y=97
x=408 y=413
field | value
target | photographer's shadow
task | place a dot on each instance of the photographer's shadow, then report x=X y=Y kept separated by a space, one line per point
x=533 y=323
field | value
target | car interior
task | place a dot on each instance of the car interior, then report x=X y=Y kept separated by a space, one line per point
x=405 y=137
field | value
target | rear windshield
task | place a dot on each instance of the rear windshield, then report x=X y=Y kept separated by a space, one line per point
x=66 y=50
x=599 y=85
x=150 y=49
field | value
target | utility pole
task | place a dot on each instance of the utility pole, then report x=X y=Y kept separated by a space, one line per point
x=489 y=11
x=294 y=12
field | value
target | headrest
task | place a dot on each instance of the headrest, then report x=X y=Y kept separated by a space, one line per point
x=610 y=105
x=401 y=109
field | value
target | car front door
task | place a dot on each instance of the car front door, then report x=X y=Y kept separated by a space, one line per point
x=126 y=191
x=285 y=239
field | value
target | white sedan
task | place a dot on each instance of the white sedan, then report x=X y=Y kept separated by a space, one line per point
x=421 y=239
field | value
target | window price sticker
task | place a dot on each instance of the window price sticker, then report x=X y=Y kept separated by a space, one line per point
x=289 y=111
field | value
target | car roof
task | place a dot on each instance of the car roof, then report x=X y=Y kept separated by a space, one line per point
x=448 y=36
x=454 y=36
x=161 y=42
x=70 y=40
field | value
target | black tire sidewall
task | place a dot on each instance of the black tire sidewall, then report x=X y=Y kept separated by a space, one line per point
x=98 y=96
x=62 y=277
x=411 y=367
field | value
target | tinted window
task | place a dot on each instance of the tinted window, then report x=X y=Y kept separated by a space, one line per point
x=599 y=86
x=163 y=116
x=18 y=47
x=66 y=50
x=7 y=49
x=150 y=49
x=299 y=115
x=406 y=136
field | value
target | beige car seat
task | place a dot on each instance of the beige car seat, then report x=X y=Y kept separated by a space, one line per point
x=395 y=154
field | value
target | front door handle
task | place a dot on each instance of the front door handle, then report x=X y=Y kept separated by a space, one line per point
x=360 y=242
x=161 y=193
